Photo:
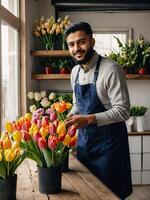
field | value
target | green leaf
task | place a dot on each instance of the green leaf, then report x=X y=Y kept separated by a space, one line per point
x=48 y=157
x=2 y=170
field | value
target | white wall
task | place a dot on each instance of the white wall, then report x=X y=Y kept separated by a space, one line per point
x=139 y=90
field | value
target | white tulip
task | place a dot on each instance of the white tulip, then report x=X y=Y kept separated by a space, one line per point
x=52 y=96
x=43 y=93
x=32 y=108
x=37 y=96
x=30 y=95
x=45 y=103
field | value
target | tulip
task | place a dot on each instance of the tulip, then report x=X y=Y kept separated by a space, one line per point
x=72 y=131
x=37 y=96
x=44 y=131
x=1 y=157
x=28 y=116
x=26 y=136
x=42 y=143
x=45 y=121
x=39 y=123
x=1 y=144
x=51 y=128
x=37 y=136
x=9 y=127
x=15 y=145
x=52 y=96
x=55 y=122
x=53 y=116
x=7 y=144
x=30 y=95
x=9 y=155
x=4 y=135
x=61 y=137
x=43 y=93
x=61 y=129
x=52 y=142
x=17 y=136
x=73 y=141
x=67 y=140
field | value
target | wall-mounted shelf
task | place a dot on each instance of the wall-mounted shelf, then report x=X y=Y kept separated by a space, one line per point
x=55 y=53
x=138 y=76
x=139 y=133
x=51 y=76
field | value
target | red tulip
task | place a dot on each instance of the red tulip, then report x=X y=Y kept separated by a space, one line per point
x=61 y=137
x=37 y=136
x=26 y=136
x=72 y=131
x=42 y=143
x=52 y=142
x=73 y=141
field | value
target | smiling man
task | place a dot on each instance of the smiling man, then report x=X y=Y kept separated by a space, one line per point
x=100 y=108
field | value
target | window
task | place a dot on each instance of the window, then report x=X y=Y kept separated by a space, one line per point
x=9 y=76
x=11 y=5
x=105 y=41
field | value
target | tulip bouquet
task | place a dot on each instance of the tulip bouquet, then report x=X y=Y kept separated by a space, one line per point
x=11 y=155
x=44 y=99
x=47 y=139
x=49 y=31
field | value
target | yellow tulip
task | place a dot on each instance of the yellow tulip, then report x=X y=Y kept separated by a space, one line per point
x=68 y=105
x=67 y=140
x=44 y=131
x=15 y=145
x=9 y=155
x=17 y=136
x=4 y=135
x=28 y=116
x=61 y=128
x=1 y=157
x=7 y=144
x=9 y=127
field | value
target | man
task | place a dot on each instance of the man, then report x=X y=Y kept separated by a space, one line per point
x=100 y=107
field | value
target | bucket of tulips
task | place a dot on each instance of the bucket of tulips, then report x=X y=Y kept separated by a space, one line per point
x=11 y=156
x=48 y=141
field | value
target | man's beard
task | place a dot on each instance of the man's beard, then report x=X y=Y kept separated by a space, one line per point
x=87 y=57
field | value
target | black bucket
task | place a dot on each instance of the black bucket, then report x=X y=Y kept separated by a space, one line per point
x=50 y=179
x=65 y=163
x=8 y=188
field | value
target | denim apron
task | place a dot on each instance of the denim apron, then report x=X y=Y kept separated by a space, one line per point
x=103 y=149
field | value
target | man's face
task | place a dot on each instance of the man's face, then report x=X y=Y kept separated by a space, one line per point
x=80 y=46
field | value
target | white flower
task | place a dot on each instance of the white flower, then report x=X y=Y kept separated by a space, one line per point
x=45 y=103
x=32 y=108
x=37 y=96
x=52 y=96
x=43 y=93
x=30 y=95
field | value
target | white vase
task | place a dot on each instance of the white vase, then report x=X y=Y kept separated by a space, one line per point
x=140 y=123
x=130 y=123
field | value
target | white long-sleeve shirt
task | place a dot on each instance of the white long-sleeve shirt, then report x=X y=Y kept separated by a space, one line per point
x=111 y=89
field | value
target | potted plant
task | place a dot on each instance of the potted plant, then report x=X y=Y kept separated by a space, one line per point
x=133 y=56
x=11 y=156
x=138 y=112
x=48 y=141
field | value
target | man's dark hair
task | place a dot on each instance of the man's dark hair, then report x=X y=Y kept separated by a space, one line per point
x=79 y=26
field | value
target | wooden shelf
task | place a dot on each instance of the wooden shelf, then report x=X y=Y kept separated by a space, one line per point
x=51 y=76
x=139 y=133
x=137 y=76
x=55 y=53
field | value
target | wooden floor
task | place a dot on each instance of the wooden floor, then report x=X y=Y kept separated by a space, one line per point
x=140 y=193
x=78 y=184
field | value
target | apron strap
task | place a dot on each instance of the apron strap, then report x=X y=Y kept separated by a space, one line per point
x=77 y=76
x=97 y=69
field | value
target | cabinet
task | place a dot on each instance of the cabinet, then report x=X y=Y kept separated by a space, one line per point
x=65 y=53
x=139 y=145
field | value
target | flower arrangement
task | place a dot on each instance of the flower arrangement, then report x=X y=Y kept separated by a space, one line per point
x=47 y=139
x=45 y=100
x=11 y=155
x=134 y=55
x=50 y=31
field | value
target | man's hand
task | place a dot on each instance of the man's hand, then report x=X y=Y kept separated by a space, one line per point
x=80 y=121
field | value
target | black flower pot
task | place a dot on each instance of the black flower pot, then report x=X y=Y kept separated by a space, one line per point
x=8 y=188
x=65 y=163
x=50 y=179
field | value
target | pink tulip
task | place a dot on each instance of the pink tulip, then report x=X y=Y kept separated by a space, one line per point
x=51 y=128
x=52 y=142
x=26 y=136
x=72 y=131
x=37 y=136
x=53 y=116
x=39 y=123
x=45 y=121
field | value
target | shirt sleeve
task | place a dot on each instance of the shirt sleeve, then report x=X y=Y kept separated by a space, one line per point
x=74 y=110
x=119 y=98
